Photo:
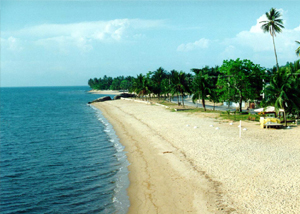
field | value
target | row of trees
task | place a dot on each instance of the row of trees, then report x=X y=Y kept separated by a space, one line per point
x=234 y=81
x=109 y=83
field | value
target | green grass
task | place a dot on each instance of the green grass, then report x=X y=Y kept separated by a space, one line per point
x=237 y=117
x=225 y=115
x=194 y=110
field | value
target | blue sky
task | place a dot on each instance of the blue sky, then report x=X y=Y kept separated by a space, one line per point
x=64 y=43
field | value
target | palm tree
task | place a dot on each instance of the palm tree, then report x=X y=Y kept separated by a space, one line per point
x=214 y=95
x=277 y=92
x=298 y=49
x=157 y=79
x=179 y=84
x=200 y=85
x=173 y=82
x=141 y=86
x=273 y=25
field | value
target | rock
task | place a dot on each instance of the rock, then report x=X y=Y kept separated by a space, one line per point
x=101 y=99
x=125 y=95
x=117 y=97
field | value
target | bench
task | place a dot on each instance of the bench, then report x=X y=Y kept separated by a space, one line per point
x=273 y=125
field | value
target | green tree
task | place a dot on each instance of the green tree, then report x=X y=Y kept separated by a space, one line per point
x=200 y=85
x=179 y=84
x=157 y=78
x=141 y=86
x=293 y=94
x=214 y=94
x=240 y=80
x=273 y=24
x=124 y=85
x=277 y=92
x=91 y=83
x=165 y=87
x=115 y=85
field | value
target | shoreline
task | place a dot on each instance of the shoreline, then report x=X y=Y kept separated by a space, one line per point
x=177 y=168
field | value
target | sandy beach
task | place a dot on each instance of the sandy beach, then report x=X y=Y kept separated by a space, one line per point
x=196 y=163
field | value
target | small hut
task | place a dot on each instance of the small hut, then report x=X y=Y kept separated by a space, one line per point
x=269 y=121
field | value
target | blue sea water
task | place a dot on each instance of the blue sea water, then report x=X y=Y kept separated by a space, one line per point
x=58 y=154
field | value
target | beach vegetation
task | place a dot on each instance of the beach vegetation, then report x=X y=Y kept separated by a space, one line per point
x=141 y=86
x=158 y=82
x=204 y=85
x=200 y=85
x=179 y=85
x=240 y=80
x=109 y=83
x=237 y=116
x=283 y=90
x=273 y=25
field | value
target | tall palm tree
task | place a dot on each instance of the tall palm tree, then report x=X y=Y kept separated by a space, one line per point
x=298 y=49
x=273 y=24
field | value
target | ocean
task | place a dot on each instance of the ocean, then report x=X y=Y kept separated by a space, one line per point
x=58 y=154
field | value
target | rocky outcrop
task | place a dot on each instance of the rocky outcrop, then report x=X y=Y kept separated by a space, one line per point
x=101 y=99
x=125 y=95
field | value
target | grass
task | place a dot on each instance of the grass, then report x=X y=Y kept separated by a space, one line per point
x=225 y=115
x=238 y=117
x=222 y=114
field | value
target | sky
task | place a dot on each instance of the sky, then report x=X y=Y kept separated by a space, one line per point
x=65 y=43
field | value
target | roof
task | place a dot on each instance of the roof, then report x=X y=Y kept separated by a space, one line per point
x=268 y=109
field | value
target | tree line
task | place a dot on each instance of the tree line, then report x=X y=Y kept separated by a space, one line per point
x=234 y=81
x=109 y=83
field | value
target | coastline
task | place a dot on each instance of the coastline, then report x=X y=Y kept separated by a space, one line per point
x=177 y=168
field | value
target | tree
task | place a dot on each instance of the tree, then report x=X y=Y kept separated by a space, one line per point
x=298 y=49
x=157 y=78
x=278 y=89
x=141 y=85
x=240 y=80
x=273 y=25
x=293 y=94
x=124 y=85
x=200 y=85
x=115 y=85
x=91 y=83
x=179 y=84
x=214 y=94
x=165 y=85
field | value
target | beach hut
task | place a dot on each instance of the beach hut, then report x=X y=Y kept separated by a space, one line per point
x=268 y=110
x=269 y=121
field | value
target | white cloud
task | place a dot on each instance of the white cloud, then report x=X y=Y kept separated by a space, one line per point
x=257 y=41
x=200 y=44
x=83 y=34
x=251 y=44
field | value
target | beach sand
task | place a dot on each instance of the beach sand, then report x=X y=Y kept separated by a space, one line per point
x=181 y=164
